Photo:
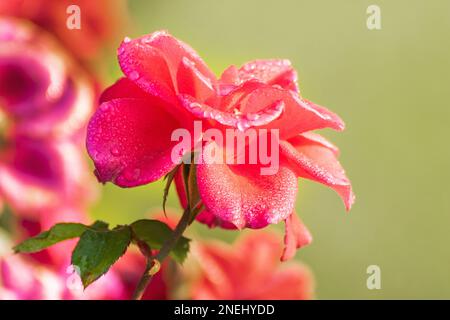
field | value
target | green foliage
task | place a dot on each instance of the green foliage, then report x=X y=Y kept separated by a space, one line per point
x=98 y=250
x=58 y=233
x=99 y=247
x=155 y=233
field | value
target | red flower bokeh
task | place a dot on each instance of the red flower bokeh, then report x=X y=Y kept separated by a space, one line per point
x=101 y=21
x=249 y=270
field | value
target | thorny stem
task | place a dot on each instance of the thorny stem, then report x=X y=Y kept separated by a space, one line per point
x=153 y=262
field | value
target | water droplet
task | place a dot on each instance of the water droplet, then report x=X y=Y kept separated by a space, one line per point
x=126 y=39
x=132 y=174
x=115 y=151
x=241 y=126
x=145 y=40
x=252 y=116
x=206 y=114
x=104 y=106
x=134 y=75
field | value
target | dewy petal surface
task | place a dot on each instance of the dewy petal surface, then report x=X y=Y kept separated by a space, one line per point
x=130 y=141
x=204 y=216
x=147 y=67
x=255 y=104
x=299 y=114
x=123 y=88
x=155 y=63
x=239 y=194
x=318 y=161
x=272 y=72
x=191 y=81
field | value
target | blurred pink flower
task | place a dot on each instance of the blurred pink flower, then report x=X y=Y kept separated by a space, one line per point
x=45 y=101
x=101 y=21
x=249 y=270
x=23 y=279
x=55 y=263
x=167 y=86
x=49 y=275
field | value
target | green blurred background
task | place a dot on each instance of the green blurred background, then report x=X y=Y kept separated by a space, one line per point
x=390 y=87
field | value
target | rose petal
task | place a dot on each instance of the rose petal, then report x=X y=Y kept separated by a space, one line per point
x=255 y=101
x=318 y=162
x=238 y=121
x=296 y=236
x=314 y=138
x=204 y=216
x=130 y=141
x=192 y=82
x=147 y=67
x=153 y=62
x=175 y=51
x=230 y=76
x=299 y=115
x=239 y=194
x=272 y=72
x=123 y=88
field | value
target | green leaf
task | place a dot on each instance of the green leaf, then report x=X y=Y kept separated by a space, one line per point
x=154 y=233
x=100 y=225
x=97 y=251
x=59 y=232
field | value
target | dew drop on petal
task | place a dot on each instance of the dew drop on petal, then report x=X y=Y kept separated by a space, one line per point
x=134 y=75
x=241 y=126
x=252 y=116
x=115 y=151
x=104 y=106
x=132 y=174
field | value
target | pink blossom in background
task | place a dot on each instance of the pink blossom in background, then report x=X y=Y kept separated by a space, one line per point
x=45 y=101
x=23 y=279
x=102 y=21
x=167 y=86
x=248 y=270
x=48 y=275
